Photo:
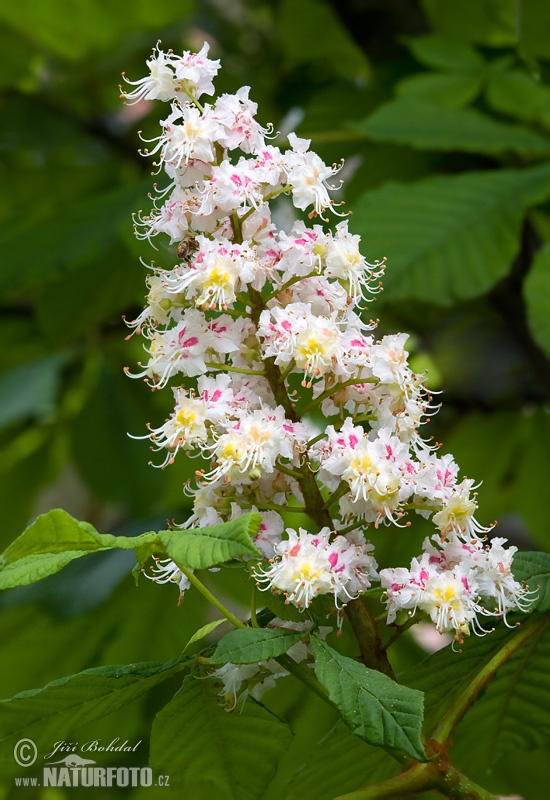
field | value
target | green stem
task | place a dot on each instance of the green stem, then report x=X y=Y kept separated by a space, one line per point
x=287 y=471
x=332 y=390
x=306 y=676
x=287 y=285
x=253 y=617
x=192 y=578
x=438 y=775
x=462 y=704
x=337 y=494
x=287 y=371
x=228 y=368
x=281 y=509
x=406 y=783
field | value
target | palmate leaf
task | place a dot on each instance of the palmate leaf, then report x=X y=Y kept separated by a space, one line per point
x=376 y=708
x=247 y=646
x=210 y=753
x=49 y=715
x=410 y=121
x=449 y=237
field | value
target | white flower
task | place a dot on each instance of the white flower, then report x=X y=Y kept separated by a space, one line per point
x=345 y=262
x=165 y=571
x=307 y=174
x=160 y=84
x=191 y=139
x=254 y=442
x=194 y=71
x=318 y=346
x=235 y=113
x=306 y=565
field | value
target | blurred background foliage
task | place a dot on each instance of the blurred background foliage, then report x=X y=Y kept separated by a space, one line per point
x=442 y=112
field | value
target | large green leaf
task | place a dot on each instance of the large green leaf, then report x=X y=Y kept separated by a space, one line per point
x=376 y=708
x=519 y=94
x=490 y=22
x=409 y=120
x=444 y=675
x=55 y=539
x=441 y=88
x=210 y=753
x=114 y=465
x=73 y=30
x=49 y=714
x=327 y=40
x=513 y=714
x=536 y=291
x=249 y=645
x=449 y=237
x=531 y=476
x=74 y=237
x=339 y=764
x=30 y=390
x=201 y=548
x=445 y=52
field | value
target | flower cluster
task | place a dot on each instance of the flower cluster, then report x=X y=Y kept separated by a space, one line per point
x=254 y=328
x=454 y=582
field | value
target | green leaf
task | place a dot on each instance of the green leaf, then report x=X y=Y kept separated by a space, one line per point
x=73 y=31
x=201 y=548
x=249 y=645
x=510 y=716
x=410 y=121
x=536 y=291
x=533 y=25
x=49 y=714
x=531 y=476
x=52 y=541
x=114 y=465
x=340 y=763
x=327 y=40
x=204 y=631
x=513 y=713
x=30 y=390
x=441 y=89
x=74 y=237
x=517 y=93
x=210 y=753
x=534 y=569
x=376 y=708
x=444 y=52
x=489 y=22
x=449 y=237
x=444 y=675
